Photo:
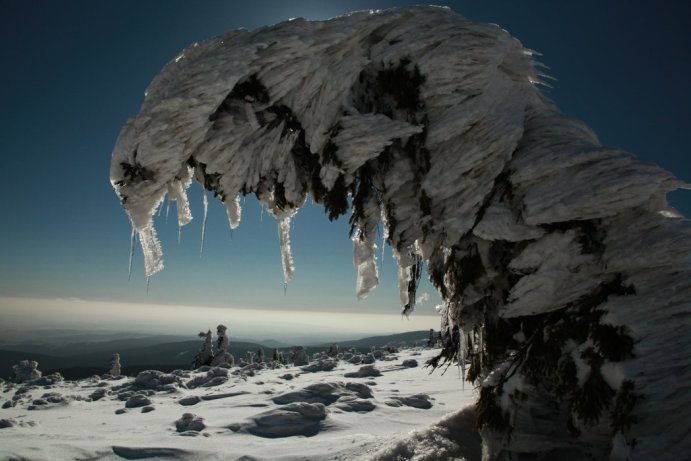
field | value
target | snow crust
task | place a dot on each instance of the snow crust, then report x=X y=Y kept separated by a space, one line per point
x=316 y=416
x=431 y=126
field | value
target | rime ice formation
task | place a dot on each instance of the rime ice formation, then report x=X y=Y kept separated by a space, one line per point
x=115 y=369
x=563 y=271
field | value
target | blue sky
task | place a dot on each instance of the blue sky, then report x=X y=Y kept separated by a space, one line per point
x=73 y=71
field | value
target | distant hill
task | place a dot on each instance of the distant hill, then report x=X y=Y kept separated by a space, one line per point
x=137 y=354
x=400 y=339
x=160 y=356
x=78 y=346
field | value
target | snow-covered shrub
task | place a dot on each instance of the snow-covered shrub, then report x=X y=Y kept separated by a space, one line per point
x=224 y=360
x=25 y=371
x=49 y=380
x=213 y=377
x=260 y=355
x=155 y=380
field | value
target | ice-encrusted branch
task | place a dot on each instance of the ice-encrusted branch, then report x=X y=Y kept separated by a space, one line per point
x=563 y=270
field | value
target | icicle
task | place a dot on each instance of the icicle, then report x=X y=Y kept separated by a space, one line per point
x=129 y=269
x=148 y=282
x=167 y=208
x=286 y=254
x=364 y=259
x=234 y=212
x=481 y=345
x=151 y=248
x=177 y=192
x=463 y=348
x=205 y=201
x=383 y=249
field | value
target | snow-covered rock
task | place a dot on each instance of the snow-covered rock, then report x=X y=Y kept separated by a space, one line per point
x=190 y=422
x=293 y=419
x=364 y=371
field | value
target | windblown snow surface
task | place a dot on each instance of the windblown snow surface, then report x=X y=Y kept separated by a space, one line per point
x=248 y=414
x=559 y=261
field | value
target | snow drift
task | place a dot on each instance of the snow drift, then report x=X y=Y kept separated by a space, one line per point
x=563 y=270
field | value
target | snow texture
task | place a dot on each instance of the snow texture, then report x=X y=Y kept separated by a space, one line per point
x=238 y=420
x=552 y=253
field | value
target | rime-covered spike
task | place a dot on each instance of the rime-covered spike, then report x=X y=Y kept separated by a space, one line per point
x=364 y=260
x=462 y=351
x=234 y=212
x=151 y=248
x=129 y=266
x=167 y=207
x=286 y=253
x=205 y=202
x=177 y=192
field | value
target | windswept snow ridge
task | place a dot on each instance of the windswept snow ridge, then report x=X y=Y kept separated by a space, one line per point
x=558 y=259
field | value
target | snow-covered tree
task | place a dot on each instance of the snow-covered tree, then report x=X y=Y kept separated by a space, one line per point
x=115 y=366
x=299 y=356
x=260 y=355
x=333 y=350
x=222 y=340
x=222 y=356
x=431 y=341
x=558 y=259
x=206 y=353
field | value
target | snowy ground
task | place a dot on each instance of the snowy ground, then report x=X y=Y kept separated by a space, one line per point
x=313 y=416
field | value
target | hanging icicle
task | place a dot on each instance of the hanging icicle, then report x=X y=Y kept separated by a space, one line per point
x=234 y=212
x=129 y=267
x=151 y=248
x=205 y=202
x=286 y=252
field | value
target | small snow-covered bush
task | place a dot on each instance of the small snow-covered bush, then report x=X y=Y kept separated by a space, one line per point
x=154 y=380
x=25 y=371
x=299 y=356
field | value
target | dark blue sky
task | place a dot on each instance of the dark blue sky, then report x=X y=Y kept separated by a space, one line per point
x=73 y=71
